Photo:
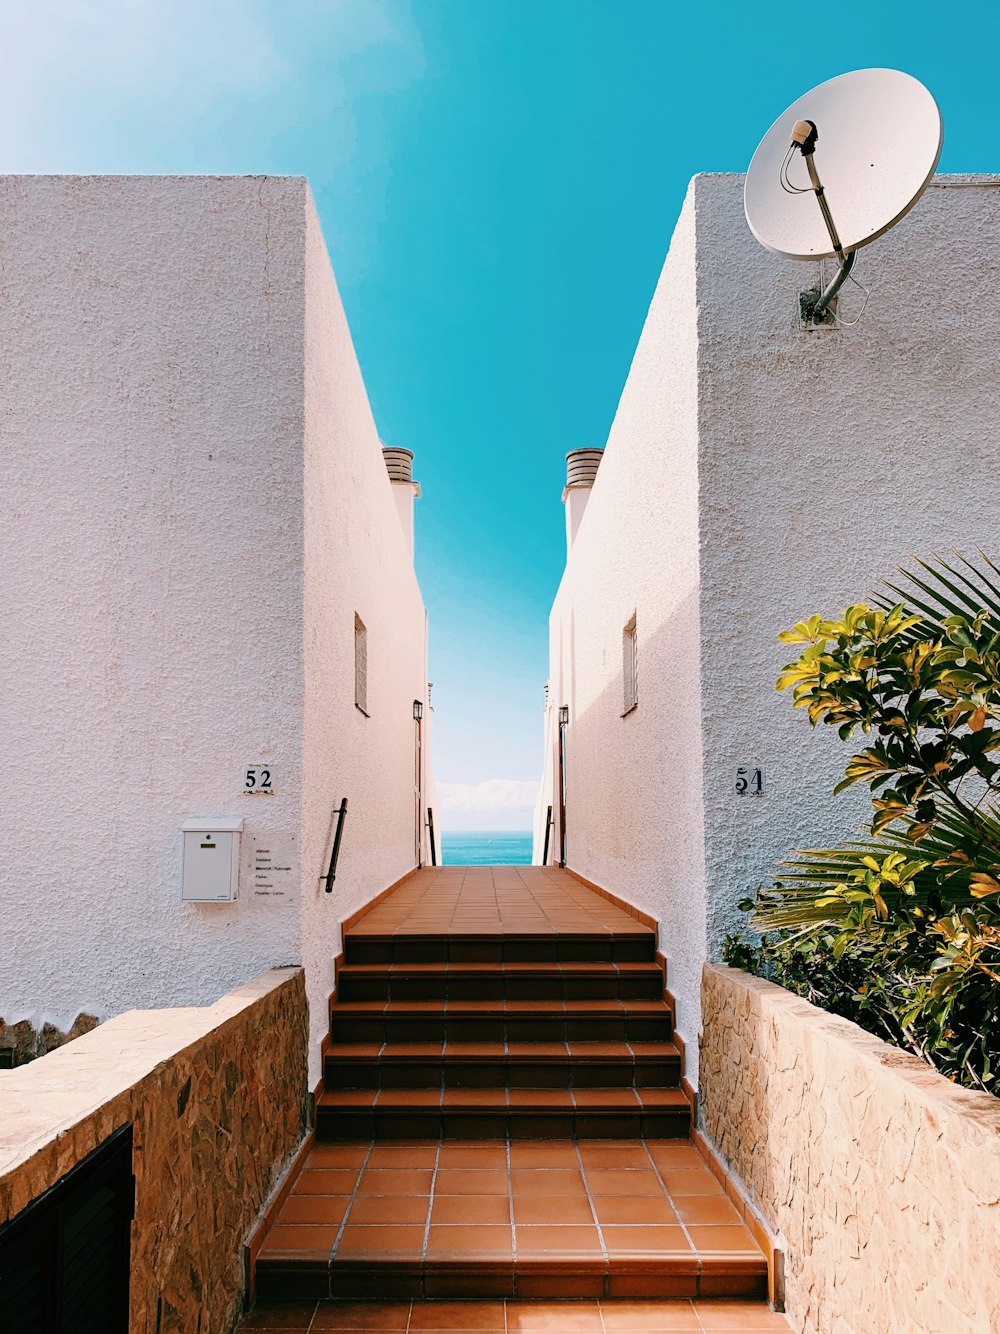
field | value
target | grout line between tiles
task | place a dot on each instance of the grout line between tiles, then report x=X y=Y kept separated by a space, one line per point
x=663 y=1186
x=350 y=1203
x=430 y=1203
x=597 y=1221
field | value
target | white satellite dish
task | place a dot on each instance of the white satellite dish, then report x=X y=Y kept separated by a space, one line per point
x=843 y=164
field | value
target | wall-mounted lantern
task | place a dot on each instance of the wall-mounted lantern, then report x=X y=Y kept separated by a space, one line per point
x=418 y=710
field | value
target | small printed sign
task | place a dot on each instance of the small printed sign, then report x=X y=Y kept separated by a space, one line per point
x=749 y=781
x=272 y=870
x=258 y=780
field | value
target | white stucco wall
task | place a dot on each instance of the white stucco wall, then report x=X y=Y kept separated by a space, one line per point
x=634 y=804
x=195 y=505
x=358 y=561
x=757 y=472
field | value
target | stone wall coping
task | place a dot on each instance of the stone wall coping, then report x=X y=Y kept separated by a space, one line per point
x=934 y=1091
x=41 y=1101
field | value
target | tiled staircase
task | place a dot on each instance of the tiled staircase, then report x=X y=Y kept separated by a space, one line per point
x=560 y=1036
x=501 y=1115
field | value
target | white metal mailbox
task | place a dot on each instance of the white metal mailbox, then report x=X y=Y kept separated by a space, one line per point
x=211 y=860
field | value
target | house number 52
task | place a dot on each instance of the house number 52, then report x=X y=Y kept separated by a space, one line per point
x=749 y=782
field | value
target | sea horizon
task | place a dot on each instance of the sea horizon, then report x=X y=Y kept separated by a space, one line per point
x=486 y=847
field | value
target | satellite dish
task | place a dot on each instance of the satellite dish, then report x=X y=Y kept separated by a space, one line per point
x=843 y=164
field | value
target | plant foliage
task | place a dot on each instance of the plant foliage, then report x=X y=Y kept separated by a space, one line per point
x=900 y=930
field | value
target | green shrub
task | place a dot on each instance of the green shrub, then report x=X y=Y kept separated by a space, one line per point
x=900 y=930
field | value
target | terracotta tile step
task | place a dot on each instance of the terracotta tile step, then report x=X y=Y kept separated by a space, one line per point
x=488 y=1064
x=580 y=980
x=314 y=1275
x=498 y=1020
x=501 y=1113
x=634 y=945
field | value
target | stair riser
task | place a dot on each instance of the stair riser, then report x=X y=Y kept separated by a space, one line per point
x=394 y=1123
x=371 y=950
x=495 y=987
x=492 y=1074
x=500 y=1030
x=318 y=1280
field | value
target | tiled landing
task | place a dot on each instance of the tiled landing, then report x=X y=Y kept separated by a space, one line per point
x=478 y=906
x=479 y=1219
x=512 y=1317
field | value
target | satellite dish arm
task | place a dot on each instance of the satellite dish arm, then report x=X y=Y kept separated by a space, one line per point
x=804 y=136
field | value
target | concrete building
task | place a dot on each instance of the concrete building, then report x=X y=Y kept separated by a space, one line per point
x=756 y=471
x=209 y=570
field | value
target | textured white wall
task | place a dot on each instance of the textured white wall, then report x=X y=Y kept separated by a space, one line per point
x=151 y=439
x=788 y=471
x=196 y=505
x=358 y=560
x=634 y=804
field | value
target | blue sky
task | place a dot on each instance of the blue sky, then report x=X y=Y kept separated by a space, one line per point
x=498 y=181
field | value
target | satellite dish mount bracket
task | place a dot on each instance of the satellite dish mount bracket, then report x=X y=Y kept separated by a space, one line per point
x=816 y=306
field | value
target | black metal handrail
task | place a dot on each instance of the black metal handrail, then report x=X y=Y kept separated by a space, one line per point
x=548 y=831
x=430 y=826
x=331 y=874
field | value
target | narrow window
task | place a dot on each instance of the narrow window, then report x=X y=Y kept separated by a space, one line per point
x=360 y=665
x=630 y=667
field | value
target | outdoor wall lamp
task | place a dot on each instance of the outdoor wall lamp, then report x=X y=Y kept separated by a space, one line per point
x=418 y=710
x=563 y=714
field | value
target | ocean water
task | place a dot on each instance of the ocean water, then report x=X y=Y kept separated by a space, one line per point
x=486 y=847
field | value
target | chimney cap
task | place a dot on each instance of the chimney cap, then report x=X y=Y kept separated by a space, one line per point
x=399 y=463
x=581 y=466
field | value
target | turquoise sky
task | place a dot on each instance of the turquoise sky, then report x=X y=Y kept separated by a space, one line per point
x=498 y=181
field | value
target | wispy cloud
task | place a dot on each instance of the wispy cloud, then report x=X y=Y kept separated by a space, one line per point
x=97 y=84
x=495 y=803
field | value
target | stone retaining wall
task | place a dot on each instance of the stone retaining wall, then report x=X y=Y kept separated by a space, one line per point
x=217 y=1096
x=880 y=1178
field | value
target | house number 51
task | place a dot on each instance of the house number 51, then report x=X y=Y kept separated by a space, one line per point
x=749 y=782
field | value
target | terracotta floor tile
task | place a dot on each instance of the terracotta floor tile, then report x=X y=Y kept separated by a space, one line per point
x=409 y=1209
x=540 y=1098
x=470 y=1210
x=644 y=1238
x=387 y=1237
x=624 y=1183
x=545 y=1156
x=326 y=1182
x=723 y=1239
x=557 y=1182
x=301 y=1238
x=457 y=1181
x=392 y=1182
x=493 y=1097
x=552 y=1209
x=554 y=1318
x=711 y=1209
x=313 y=1209
x=409 y=1098
x=613 y=1157
x=649 y=1317
x=623 y=1097
x=532 y=1238
x=475 y=1317
x=352 y=1317
x=336 y=1155
x=449 y=1238
x=634 y=1210
x=677 y=1156
x=749 y=1316
x=482 y=1157
x=406 y=1155
x=682 y=1182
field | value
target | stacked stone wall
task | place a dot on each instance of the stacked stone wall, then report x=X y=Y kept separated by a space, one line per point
x=879 y=1178
x=217 y=1097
